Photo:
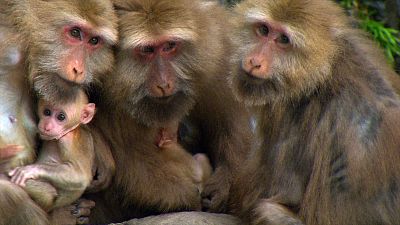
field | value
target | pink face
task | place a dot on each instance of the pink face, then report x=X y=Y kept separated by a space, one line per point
x=81 y=43
x=56 y=121
x=52 y=122
x=162 y=77
x=271 y=41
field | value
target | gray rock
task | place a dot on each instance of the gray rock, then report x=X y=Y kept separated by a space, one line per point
x=185 y=218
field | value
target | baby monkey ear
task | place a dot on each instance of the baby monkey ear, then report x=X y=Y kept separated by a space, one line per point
x=88 y=112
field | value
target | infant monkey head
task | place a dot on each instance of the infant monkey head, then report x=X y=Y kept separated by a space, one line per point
x=58 y=119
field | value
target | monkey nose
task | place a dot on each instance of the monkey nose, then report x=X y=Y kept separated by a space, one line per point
x=256 y=68
x=165 y=89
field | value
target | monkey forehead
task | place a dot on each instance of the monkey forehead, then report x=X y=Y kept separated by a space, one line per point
x=304 y=21
x=97 y=16
x=146 y=21
x=108 y=34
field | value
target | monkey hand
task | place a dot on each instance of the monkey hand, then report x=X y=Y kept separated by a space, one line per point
x=216 y=191
x=9 y=151
x=20 y=175
x=77 y=213
x=104 y=173
x=101 y=181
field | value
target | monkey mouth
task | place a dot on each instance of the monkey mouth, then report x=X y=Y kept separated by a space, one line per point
x=46 y=137
x=248 y=77
x=164 y=99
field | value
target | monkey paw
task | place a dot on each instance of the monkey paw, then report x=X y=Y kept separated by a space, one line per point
x=273 y=213
x=215 y=193
x=10 y=151
x=77 y=213
x=20 y=175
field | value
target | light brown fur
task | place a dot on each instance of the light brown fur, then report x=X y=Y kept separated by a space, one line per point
x=35 y=28
x=66 y=162
x=328 y=116
x=148 y=179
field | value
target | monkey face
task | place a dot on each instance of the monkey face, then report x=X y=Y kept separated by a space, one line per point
x=75 y=47
x=277 y=60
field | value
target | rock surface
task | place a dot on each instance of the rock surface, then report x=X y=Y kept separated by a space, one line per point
x=185 y=218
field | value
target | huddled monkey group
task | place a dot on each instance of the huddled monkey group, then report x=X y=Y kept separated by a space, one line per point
x=118 y=109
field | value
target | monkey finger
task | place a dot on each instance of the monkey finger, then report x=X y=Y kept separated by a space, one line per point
x=12 y=172
x=205 y=204
x=21 y=181
x=79 y=212
x=82 y=220
x=10 y=151
x=85 y=203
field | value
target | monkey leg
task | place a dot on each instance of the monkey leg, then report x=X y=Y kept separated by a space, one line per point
x=268 y=212
x=17 y=208
x=43 y=193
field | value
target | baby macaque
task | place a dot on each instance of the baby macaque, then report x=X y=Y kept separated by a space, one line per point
x=67 y=155
x=167 y=140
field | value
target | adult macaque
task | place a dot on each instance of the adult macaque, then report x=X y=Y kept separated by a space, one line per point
x=329 y=118
x=17 y=129
x=171 y=63
x=167 y=140
x=67 y=154
x=66 y=44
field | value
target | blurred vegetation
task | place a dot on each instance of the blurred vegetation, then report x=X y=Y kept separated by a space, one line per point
x=381 y=18
x=376 y=18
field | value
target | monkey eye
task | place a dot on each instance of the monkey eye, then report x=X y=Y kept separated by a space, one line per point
x=47 y=112
x=283 y=39
x=61 y=117
x=169 y=46
x=76 y=33
x=263 y=30
x=94 y=40
x=146 y=50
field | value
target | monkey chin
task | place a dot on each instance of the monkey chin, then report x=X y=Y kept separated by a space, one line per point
x=53 y=88
x=46 y=137
x=158 y=111
x=255 y=91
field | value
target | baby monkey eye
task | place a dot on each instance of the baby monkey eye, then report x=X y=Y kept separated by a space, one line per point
x=263 y=30
x=283 y=39
x=76 y=33
x=47 y=112
x=94 y=40
x=61 y=117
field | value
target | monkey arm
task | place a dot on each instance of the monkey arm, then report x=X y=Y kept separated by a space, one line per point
x=61 y=176
x=225 y=127
x=104 y=166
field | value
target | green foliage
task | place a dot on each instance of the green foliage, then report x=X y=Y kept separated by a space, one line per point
x=388 y=38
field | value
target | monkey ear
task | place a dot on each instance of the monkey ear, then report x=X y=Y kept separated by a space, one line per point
x=88 y=113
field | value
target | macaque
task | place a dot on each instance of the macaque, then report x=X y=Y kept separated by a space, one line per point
x=61 y=46
x=17 y=127
x=17 y=131
x=167 y=140
x=67 y=154
x=171 y=67
x=327 y=113
x=68 y=43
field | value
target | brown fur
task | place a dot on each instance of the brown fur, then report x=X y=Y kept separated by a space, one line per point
x=18 y=129
x=33 y=28
x=329 y=119
x=41 y=24
x=148 y=179
x=65 y=163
